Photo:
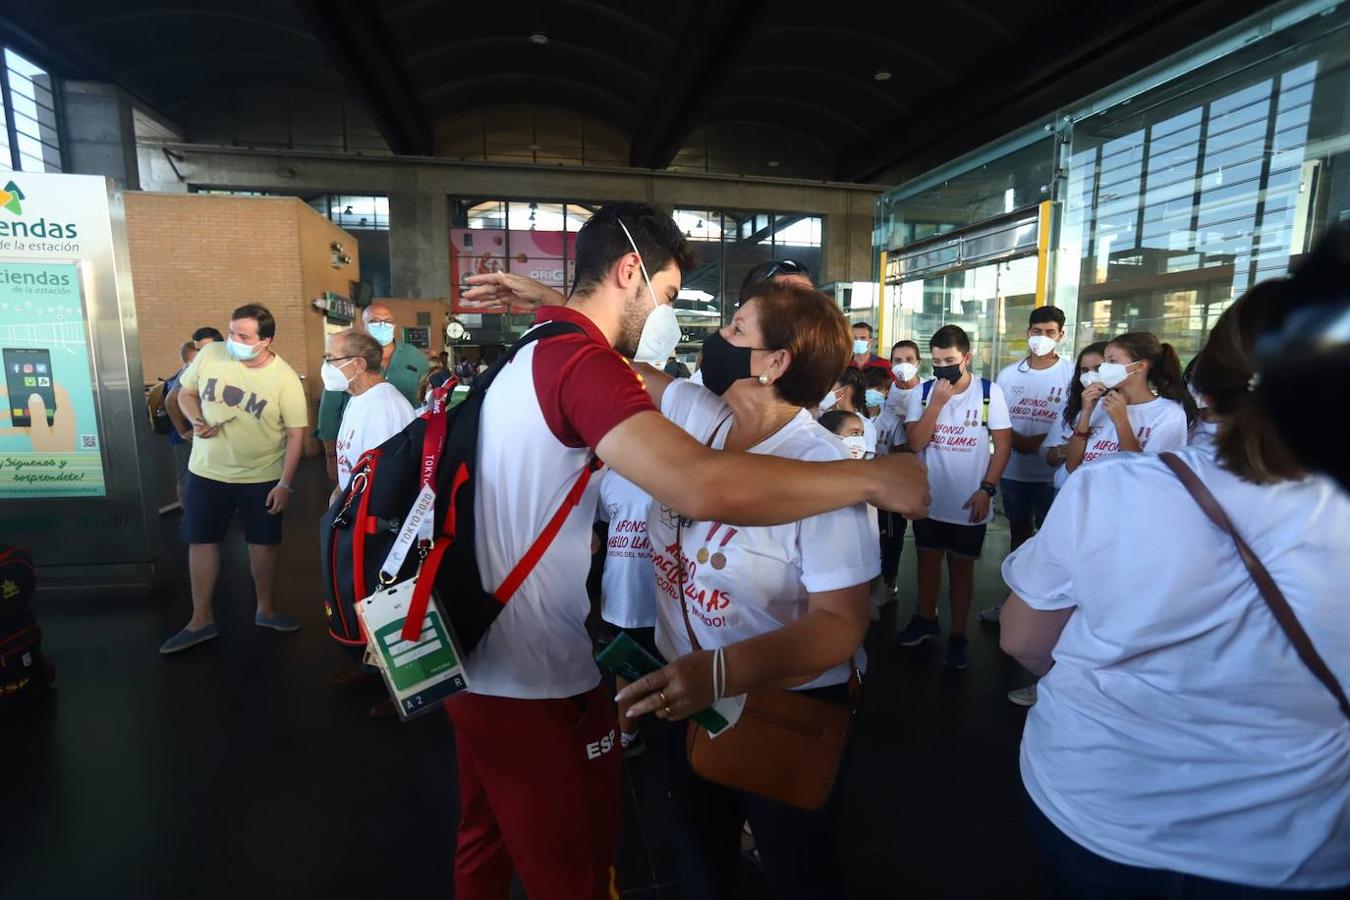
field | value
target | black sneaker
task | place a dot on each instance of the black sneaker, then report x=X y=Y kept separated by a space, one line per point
x=917 y=631
x=957 y=656
x=634 y=747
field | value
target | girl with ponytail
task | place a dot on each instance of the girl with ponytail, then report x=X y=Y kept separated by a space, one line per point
x=1139 y=404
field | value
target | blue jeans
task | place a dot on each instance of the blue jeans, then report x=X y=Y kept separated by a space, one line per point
x=1073 y=872
x=1026 y=502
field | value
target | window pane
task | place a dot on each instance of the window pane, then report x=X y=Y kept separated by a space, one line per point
x=32 y=107
x=530 y=216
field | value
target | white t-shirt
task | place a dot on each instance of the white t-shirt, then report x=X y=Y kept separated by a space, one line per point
x=869 y=434
x=627 y=594
x=744 y=582
x=1159 y=424
x=897 y=401
x=369 y=420
x=888 y=423
x=1178 y=728
x=958 y=454
x=1202 y=435
x=1035 y=406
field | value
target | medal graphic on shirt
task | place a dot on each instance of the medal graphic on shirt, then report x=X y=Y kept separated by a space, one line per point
x=719 y=559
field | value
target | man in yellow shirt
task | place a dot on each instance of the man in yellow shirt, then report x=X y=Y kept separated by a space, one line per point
x=248 y=414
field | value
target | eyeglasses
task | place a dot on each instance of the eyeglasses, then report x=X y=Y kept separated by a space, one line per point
x=334 y=359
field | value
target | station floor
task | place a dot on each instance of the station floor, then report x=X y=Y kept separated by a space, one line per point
x=235 y=771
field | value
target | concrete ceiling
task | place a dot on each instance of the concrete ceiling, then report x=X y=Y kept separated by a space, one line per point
x=769 y=87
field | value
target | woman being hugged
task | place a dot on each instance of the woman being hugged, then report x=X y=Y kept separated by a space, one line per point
x=787 y=605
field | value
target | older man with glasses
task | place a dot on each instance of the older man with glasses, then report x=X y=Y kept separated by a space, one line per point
x=403 y=366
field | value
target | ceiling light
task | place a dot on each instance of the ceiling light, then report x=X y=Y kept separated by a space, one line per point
x=882 y=74
x=773 y=164
x=538 y=38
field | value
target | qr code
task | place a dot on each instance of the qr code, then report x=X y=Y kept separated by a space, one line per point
x=88 y=442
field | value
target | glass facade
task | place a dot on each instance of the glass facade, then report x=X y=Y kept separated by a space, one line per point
x=1170 y=194
x=538 y=238
x=30 y=140
x=729 y=244
x=530 y=237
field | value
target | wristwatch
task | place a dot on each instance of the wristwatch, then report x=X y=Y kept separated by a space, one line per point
x=989 y=488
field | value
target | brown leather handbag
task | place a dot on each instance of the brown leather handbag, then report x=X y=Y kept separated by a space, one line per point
x=786 y=746
x=1270 y=591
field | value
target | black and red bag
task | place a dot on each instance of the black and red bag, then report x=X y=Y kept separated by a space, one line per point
x=24 y=671
x=440 y=449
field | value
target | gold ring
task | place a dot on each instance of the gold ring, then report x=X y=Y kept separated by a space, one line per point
x=662 y=695
x=667 y=712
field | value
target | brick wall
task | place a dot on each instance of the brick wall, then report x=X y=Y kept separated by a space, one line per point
x=196 y=257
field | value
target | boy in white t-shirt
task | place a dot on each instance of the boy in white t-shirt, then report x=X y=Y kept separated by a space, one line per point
x=952 y=422
x=1036 y=389
x=905 y=368
x=627 y=590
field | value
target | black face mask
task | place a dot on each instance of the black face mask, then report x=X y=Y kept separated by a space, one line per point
x=723 y=363
x=948 y=373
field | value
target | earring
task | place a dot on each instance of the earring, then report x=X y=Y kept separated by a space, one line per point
x=764 y=379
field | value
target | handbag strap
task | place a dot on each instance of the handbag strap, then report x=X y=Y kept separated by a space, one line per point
x=1270 y=591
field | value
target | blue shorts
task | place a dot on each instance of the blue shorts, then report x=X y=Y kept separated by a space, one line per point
x=1026 y=502
x=209 y=506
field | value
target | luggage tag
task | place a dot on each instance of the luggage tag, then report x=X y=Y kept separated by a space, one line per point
x=419 y=674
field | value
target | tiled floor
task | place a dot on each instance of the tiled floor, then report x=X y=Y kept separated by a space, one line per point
x=235 y=771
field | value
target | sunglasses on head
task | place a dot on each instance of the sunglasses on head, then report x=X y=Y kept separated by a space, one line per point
x=786 y=267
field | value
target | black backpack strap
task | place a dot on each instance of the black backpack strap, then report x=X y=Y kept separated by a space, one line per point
x=417 y=606
x=537 y=333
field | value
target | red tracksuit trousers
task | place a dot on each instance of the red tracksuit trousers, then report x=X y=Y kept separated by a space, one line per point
x=540 y=793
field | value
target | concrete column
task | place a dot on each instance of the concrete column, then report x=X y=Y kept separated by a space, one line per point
x=419 y=245
x=100 y=133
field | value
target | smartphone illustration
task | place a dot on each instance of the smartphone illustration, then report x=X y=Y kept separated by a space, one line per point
x=28 y=372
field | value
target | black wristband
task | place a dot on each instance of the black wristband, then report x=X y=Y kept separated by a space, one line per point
x=989 y=488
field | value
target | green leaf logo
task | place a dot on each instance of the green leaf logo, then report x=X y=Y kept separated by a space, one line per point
x=10 y=198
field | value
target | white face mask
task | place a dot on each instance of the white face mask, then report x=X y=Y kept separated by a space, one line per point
x=661 y=332
x=333 y=379
x=828 y=401
x=856 y=444
x=1113 y=374
x=905 y=371
x=861 y=346
x=1040 y=345
x=1088 y=379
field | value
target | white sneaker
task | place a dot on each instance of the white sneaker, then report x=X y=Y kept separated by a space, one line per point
x=991 y=614
x=1024 y=696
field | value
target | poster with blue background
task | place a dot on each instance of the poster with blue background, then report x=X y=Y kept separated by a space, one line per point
x=49 y=436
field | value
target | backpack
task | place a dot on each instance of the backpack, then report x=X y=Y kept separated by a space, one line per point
x=24 y=671
x=438 y=449
x=160 y=422
x=984 y=410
